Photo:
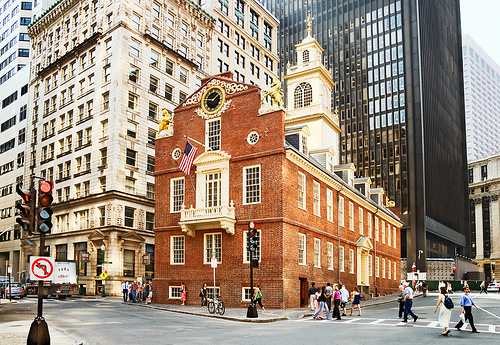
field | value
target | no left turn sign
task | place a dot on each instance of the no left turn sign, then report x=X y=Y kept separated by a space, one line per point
x=41 y=268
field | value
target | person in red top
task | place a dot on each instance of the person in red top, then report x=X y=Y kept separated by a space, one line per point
x=183 y=294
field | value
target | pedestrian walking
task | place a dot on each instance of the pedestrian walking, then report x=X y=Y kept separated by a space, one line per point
x=344 y=299
x=355 y=301
x=408 y=293
x=336 y=302
x=258 y=297
x=401 y=301
x=466 y=302
x=183 y=293
x=149 y=299
x=203 y=295
x=322 y=305
x=312 y=296
x=448 y=287
x=483 y=288
x=316 y=303
x=139 y=291
x=329 y=292
x=444 y=313
x=125 y=287
x=134 y=290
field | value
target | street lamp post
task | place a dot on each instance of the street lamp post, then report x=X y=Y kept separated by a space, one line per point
x=103 y=248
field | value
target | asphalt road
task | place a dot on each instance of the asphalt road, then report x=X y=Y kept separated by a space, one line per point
x=109 y=321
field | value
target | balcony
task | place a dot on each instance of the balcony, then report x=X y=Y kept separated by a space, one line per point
x=208 y=218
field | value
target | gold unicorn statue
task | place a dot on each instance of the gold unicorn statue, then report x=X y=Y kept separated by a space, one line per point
x=276 y=93
x=166 y=120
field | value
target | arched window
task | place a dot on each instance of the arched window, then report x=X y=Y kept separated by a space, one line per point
x=305 y=56
x=302 y=95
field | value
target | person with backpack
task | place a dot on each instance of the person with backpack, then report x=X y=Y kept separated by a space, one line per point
x=445 y=307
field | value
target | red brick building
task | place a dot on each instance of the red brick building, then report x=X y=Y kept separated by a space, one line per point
x=316 y=221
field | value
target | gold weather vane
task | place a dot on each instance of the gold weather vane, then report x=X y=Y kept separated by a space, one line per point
x=389 y=203
x=308 y=21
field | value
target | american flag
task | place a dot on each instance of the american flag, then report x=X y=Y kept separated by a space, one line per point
x=187 y=158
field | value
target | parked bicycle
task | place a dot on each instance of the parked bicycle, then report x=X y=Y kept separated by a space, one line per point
x=216 y=305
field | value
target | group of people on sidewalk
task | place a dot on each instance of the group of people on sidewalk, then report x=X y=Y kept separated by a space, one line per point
x=321 y=299
x=136 y=291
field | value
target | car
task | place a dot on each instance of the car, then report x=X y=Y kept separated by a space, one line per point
x=493 y=287
x=16 y=290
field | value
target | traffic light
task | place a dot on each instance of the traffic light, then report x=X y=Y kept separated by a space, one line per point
x=45 y=202
x=252 y=236
x=26 y=207
x=454 y=268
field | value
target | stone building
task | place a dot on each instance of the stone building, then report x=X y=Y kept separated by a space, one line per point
x=100 y=74
x=316 y=222
x=484 y=188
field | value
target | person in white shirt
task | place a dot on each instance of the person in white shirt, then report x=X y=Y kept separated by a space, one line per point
x=408 y=298
x=125 y=287
x=344 y=298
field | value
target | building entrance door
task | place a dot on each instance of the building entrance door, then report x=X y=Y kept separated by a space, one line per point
x=304 y=298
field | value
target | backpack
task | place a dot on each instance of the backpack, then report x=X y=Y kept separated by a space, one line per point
x=448 y=303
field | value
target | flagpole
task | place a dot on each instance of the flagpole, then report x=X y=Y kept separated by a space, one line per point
x=196 y=141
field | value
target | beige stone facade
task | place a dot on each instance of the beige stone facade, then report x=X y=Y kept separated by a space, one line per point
x=484 y=189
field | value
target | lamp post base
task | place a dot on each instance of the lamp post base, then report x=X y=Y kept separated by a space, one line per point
x=39 y=332
x=252 y=311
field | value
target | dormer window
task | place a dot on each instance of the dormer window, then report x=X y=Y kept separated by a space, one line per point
x=305 y=56
x=304 y=144
x=302 y=95
x=213 y=134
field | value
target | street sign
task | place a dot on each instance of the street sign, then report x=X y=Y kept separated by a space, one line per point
x=42 y=268
x=214 y=263
x=103 y=275
x=146 y=259
x=85 y=256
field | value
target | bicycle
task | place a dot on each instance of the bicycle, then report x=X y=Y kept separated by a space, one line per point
x=216 y=305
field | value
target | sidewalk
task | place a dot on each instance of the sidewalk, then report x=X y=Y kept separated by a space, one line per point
x=240 y=314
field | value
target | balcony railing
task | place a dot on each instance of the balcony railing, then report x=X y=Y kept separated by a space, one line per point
x=193 y=219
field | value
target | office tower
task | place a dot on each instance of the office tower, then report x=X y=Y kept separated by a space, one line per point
x=15 y=16
x=482 y=100
x=397 y=67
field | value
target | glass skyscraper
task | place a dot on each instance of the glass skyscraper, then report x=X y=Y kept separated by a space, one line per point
x=397 y=67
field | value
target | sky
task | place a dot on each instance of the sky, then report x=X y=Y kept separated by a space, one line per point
x=480 y=19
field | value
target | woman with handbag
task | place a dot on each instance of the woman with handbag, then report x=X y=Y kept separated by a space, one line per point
x=444 y=313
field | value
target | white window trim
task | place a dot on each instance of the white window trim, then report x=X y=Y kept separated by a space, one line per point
x=361 y=221
x=329 y=247
x=316 y=198
x=370 y=265
x=395 y=274
x=243 y=289
x=351 y=216
x=245 y=184
x=383 y=232
x=329 y=205
x=304 y=262
x=172 y=250
x=317 y=246
x=351 y=261
x=383 y=267
x=341 y=259
x=377 y=267
x=170 y=292
x=302 y=177
x=341 y=211
x=205 y=248
x=172 y=180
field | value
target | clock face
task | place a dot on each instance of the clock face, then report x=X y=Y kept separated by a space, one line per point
x=212 y=100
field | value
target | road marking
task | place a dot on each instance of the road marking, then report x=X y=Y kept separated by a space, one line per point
x=433 y=324
x=491 y=328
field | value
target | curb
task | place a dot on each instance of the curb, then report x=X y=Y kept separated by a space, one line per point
x=214 y=316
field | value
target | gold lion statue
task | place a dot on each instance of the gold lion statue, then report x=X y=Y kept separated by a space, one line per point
x=166 y=120
x=276 y=93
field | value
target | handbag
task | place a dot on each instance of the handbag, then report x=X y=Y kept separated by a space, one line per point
x=201 y=295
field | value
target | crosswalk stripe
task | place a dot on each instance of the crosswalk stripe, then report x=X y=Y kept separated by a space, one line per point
x=433 y=324
x=491 y=328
